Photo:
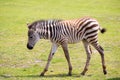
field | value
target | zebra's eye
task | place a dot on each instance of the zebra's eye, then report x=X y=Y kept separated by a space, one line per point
x=31 y=37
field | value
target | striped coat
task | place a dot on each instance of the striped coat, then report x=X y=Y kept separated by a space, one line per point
x=72 y=31
x=63 y=32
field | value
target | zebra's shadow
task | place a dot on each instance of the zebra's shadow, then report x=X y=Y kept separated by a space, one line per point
x=65 y=75
x=46 y=76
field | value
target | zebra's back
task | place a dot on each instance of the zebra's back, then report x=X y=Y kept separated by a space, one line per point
x=79 y=29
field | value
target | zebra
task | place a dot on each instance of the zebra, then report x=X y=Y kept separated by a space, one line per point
x=64 y=32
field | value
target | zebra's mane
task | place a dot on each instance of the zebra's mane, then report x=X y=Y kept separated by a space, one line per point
x=44 y=21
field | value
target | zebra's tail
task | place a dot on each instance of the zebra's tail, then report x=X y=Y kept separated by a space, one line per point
x=102 y=30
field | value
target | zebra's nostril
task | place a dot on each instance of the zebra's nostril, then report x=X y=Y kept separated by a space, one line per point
x=29 y=47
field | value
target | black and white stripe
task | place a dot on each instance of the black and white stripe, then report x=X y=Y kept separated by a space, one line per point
x=70 y=30
x=62 y=32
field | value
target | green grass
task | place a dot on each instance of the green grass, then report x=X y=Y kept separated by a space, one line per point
x=18 y=63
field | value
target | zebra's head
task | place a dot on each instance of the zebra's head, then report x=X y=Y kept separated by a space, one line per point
x=33 y=36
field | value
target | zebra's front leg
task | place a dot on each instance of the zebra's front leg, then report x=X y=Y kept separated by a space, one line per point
x=53 y=50
x=65 y=49
x=88 y=52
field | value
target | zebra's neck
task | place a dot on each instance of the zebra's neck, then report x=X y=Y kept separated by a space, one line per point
x=45 y=28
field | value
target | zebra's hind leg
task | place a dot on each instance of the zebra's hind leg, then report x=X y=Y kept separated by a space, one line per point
x=53 y=50
x=101 y=51
x=88 y=52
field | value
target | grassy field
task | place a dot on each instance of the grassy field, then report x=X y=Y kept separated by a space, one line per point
x=18 y=63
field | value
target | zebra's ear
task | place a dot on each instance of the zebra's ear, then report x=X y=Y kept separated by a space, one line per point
x=28 y=25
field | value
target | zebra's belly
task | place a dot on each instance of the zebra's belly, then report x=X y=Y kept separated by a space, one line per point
x=73 y=40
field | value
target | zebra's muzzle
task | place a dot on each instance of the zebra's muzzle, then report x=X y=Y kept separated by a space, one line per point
x=29 y=47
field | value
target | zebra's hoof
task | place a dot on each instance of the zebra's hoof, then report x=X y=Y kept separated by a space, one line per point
x=105 y=72
x=69 y=74
x=42 y=74
x=83 y=73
